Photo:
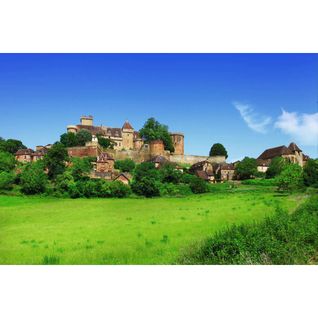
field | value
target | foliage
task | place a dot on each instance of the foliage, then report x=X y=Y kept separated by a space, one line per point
x=80 y=167
x=33 y=180
x=311 y=173
x=291 y=178
x=218 y=150
x=281 y=239
x=83 y=136
x=146 y=170
x=246 y=168
x=187 y=178
x=146 y=186
x=276 y=166
x=69 y=139
x=174 y=190
x=11 y=145
x=169 y=174
x=6 y=180
x=106 y=143
x=198 y=185
x=126 y=165
x=153 y=130
x=7 y=161
x=55 y=160
x=260 y=182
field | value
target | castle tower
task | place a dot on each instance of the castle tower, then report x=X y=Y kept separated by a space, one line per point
x=128 y=136
x=157 y=148
x=178 y=143
x=87 y=120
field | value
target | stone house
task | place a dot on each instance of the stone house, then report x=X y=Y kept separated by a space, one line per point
x=292 y=153
x=29 y=155
x=124 y=178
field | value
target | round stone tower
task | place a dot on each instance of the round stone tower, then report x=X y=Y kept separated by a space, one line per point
x=178 y=143
x=157 y=148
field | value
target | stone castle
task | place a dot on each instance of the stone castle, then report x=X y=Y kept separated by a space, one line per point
x=125 y=138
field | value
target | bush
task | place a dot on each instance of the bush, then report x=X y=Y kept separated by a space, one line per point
x=246 y=169
x=146 y=186
x=119 y=190
x=170 y=189
x=80 y=168
x=7 y=161
x=281 y=239
x=198 y=185
x=146 y=170
x=169 y=174
x=33 y=180
x=291 y=178
x=276 y=167
x=6 y=180
x=126 y=165
x=311 y=173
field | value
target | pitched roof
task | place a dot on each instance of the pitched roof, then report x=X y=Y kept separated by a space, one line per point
x=262 y=162
x=94 y=130
x=275 y=152
x=293 y=147
x=114 y=132
x=127 y=125
x=125 y=175
x=24 y=152
x=202 y=174
x=159 y=159
x=227 y=166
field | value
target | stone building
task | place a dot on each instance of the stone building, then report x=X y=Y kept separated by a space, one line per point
x=29 y=155
x=104 y=166
x=292 y=153
x=125 y=138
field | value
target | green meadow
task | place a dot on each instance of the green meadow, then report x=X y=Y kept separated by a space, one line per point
x=42 y=230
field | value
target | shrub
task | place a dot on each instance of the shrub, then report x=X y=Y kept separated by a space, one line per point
x=187 y=178
x=80 y=167
x=6 y=180
x=198 y=185
x=7 y=161
x=246 y=169
x=146 y=170
x=275 y=167
x=170 y=189
x=169 y=174
x=33 y=180
x=126 y=165
x=119 y=190
x=311 y=173
x=291 y=178
x=146 y=186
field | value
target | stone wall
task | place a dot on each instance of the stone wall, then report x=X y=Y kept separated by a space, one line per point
x=187 y=159
x=90 y=151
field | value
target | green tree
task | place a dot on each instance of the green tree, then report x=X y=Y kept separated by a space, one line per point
x=33 y=180
x=11 y=145
x=69 y=139
x=146 y=186
x=198 y=185
x=83 y=136
x=275 y=167
x=146 y=170
x=55 y=160
x=246 y=168
x=169 y=174
x=6 y=180
x=126 y=165
x=153 y=130
x=105 y=143
x=291 y=178
x=311 y=173
x=218 y=150
x=7 y=161
x=80 y=167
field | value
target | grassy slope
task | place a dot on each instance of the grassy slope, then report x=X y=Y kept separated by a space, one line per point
x=121 y=231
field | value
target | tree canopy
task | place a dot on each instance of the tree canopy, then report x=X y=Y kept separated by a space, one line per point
x=246 y=168
x=11 y=145
x=311 y=173
x=106 y=143
x=55 y=160
x=275 y=167
x=70 y=139
x=7 y=161
x=218 y=150
x=291 y=178
x=153 y=130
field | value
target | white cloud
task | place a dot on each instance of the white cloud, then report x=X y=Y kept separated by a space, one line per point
x=301 y=127
x=253 y=120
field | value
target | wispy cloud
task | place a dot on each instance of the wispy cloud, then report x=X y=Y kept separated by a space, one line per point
x=301 y=127
x=253 y=120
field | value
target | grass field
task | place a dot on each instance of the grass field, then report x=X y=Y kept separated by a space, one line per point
x=37 y=230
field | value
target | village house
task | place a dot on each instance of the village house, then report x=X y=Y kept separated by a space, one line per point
x=292 y=154
x=29 y=155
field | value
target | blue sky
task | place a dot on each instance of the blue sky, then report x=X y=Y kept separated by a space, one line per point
x=248 y=102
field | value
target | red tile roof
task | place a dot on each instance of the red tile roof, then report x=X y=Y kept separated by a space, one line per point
x=127 y=125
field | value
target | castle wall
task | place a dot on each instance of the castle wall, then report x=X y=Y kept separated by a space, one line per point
x=90 y=151
x=157 y=148
x=187 y=159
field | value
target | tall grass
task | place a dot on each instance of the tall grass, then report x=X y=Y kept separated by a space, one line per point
x=281 y=239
